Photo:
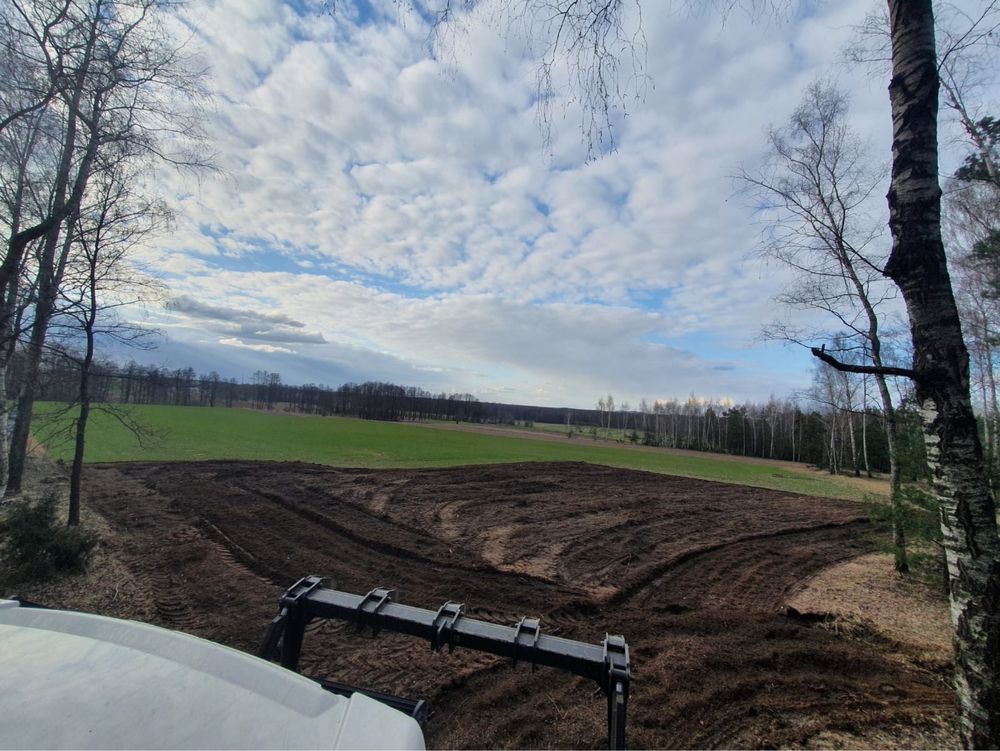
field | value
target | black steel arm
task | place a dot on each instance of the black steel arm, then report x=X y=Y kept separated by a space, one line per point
x=606 y=663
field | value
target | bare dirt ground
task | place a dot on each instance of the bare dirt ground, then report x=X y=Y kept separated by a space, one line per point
x=695 y=574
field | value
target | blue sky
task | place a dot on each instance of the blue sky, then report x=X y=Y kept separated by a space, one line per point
x=389 y=211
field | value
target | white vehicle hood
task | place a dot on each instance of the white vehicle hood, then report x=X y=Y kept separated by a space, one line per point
x=73 y=680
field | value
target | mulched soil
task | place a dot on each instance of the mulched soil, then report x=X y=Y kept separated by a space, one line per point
x=695 y=574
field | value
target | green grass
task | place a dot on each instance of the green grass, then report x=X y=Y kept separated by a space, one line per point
x=196 y=433
x=921 y=517
x=614 y=434
x=551 y=427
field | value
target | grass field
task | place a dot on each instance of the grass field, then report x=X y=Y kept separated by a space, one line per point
x=197 y=433
x=614 y=434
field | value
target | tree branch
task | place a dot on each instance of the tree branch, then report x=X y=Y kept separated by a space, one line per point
x=833 y=362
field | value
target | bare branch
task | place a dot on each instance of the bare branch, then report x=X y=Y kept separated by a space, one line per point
x=833 y=362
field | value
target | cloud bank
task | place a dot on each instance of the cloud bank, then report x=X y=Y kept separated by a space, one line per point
x=390 y=214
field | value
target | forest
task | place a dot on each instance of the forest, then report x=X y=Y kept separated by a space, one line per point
x=831 y=429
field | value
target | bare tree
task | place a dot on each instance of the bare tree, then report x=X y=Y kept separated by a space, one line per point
x=973 y=231
x=100 y=282
x=827 y=390
x=979 y=321
x=966 y=48
x=816 y=188
x=33 y=133
x=588 y=46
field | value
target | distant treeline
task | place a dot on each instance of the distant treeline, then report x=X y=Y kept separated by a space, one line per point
x=837 y=439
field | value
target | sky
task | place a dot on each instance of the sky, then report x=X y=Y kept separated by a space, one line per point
x=388 y=207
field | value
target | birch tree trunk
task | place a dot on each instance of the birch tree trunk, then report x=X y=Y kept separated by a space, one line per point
x=864 y=425
x=895 y=483
x=992 y=412
x=79 y=447
x=987 y=417
x=4 y=442
x=833 y=442
x=941 y=373
x=49 y=276
x=792 y=434
x=849 y=422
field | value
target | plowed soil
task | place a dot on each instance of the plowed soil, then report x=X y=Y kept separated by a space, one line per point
x=695 y=574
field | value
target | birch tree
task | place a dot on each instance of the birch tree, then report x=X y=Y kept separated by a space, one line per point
x=940 y=371
x=100 y=283
x=816 y=189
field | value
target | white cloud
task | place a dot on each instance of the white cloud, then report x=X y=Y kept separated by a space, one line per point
x=439 y=238
x=233 y=342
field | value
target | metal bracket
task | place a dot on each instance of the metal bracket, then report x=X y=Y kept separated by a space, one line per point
x=289 y=627
x=269 y=648
x=531 y=629
x=369 y=607
x=444 y=625
x=302 y=589
x=619 y=675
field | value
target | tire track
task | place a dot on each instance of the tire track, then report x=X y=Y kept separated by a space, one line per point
x=693 y=573
x=655 y=575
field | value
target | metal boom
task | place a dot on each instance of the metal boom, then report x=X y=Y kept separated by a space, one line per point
x=606 y=663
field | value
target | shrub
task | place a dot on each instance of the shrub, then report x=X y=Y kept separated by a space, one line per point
x=922 y=525
x=36 y=545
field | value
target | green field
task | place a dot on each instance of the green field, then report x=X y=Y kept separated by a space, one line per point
x=612 y=434
x=195 y=433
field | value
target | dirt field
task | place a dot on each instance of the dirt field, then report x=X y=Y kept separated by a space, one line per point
x=695 y=574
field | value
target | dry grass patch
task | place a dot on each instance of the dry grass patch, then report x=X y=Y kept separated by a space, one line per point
x=866 y=598
x=867 y=590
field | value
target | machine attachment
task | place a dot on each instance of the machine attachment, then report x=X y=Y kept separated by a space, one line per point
x=607 y=663
x=444 y=625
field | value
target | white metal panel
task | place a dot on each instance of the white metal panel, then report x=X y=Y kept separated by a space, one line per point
x=73 y=680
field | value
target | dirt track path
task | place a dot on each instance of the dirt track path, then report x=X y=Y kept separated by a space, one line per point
x=694 y=573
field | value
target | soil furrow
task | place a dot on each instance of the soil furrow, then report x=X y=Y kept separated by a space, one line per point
x=693 y=573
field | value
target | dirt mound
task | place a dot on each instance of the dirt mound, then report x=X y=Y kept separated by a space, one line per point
x=695 y=574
